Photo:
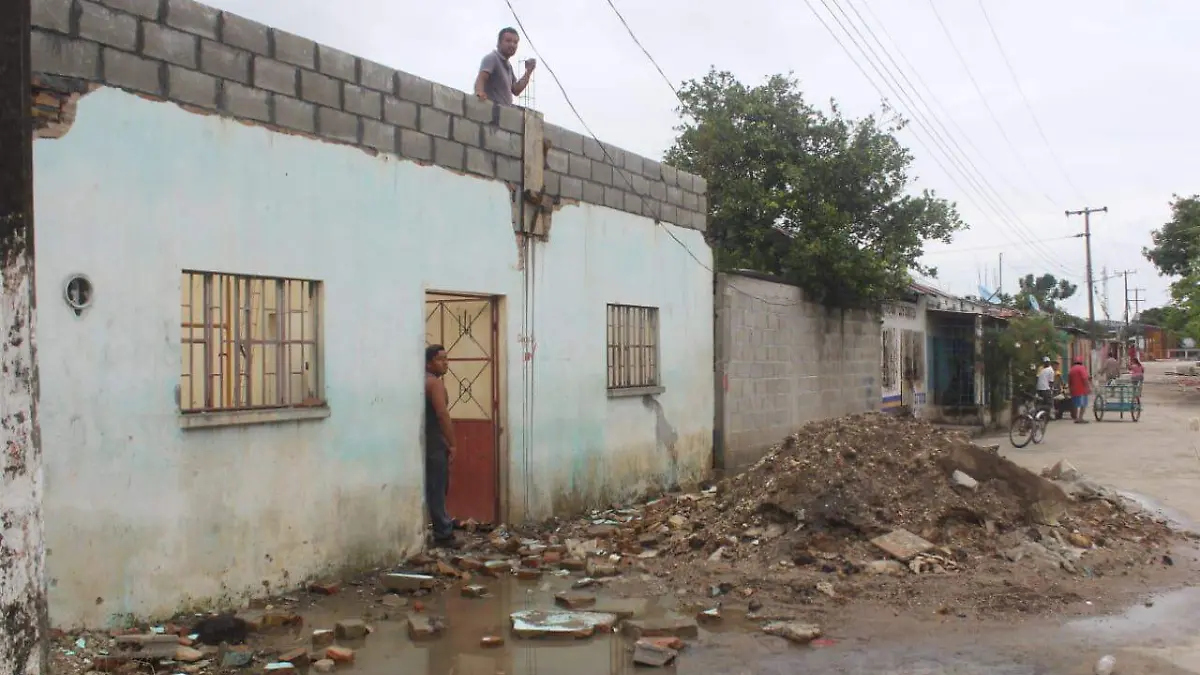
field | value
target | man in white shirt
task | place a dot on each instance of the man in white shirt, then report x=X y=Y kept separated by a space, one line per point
x=1045 y=384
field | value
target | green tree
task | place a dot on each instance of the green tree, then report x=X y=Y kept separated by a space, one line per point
x=1046 y=290
x=813 y=196
x=1012 y=353
x=1176 y=252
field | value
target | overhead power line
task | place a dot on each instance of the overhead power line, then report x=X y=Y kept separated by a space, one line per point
x=1028 y=106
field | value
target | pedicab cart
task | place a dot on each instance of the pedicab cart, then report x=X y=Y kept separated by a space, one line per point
x=1120 y=396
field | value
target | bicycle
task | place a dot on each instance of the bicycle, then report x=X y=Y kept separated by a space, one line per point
x=1030 y=422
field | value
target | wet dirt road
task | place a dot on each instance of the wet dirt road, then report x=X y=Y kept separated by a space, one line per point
x=1153 y=458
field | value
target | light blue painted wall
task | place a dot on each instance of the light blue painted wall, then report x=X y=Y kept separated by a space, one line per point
x=143 y=517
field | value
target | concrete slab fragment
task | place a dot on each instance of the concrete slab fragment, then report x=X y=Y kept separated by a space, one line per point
x=902 y=544
x=534 y=623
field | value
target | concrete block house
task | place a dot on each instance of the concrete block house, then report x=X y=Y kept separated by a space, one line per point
x=245 y=240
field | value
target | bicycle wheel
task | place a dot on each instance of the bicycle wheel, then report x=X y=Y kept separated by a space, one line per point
x=1021 y=431
x=1098 y=408
x=1135 y=411
x=1039 y=427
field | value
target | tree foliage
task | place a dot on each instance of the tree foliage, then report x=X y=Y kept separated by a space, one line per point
x=1014 y=352
x=1047 y=291
x=1176 y=252
x=810 y=195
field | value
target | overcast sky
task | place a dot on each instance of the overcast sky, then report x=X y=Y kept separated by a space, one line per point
x=1110 y=81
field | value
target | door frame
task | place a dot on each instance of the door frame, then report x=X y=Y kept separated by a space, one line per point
x=499 y=382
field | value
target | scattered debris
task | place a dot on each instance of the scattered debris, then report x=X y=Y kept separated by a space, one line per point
x=533 y=623
x=650 y=653
x=667 y=626
x=901 y=544
x=963 y=480
x=799 y=633
x=1107 y=665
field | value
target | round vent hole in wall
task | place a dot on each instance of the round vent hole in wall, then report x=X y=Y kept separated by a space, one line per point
x=78 y=293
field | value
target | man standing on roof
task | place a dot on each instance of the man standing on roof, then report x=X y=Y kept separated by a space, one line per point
x=496 y=81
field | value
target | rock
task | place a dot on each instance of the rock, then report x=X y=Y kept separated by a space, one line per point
x=280 y=618
x=800 y=633
x=901 y=544
x=668 y=642
x=717 y=555
x=533 y=623
x=889 y=567
x=322 y=638
x=648 y=653
x=826 y=588
x=667 y=626
x=1107 y=665
x=281 y=667
x=963 y=480
x=406 y=583
x=339 y=654
x=622 y=608
x=421 y=627
x=496 y=568
x=474 y=591
x=237 y=658
x=1064 y=471
x=712 y=615
x=324 y=666
x=350 y=629
x=677 y=522
x=188 y=654
x=297 y=657
x=325 y=587
x=393 y=600
x=598 y=569
x=489 y=641
x=1079 y=540
x=574 y=600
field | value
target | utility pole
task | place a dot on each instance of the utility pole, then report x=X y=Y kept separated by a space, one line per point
x=1087 y=212
x=1137 y=299
x=1126 y=274
x=23 y=638
x=1000 y=276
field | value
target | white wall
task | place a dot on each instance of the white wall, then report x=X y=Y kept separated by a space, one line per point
x=143 y=517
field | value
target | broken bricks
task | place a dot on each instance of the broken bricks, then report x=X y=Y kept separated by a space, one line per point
x=533 y=623
x=574 y=600
x=901 y=544
x=350 y=629
x=667 y=626
x=406 y=583
x=650 y=653
x=422 y=627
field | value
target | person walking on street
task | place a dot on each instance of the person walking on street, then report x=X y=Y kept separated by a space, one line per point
x=1112 y=369
x=1080 y=385
x=439 y=446
x=1137 y=372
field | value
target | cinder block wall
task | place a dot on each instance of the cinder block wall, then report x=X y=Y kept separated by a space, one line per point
x=213 y=61
x=782 y=361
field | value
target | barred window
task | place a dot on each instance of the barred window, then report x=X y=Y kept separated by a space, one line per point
x=249 y=342
x=887 y=357
x=632 y=347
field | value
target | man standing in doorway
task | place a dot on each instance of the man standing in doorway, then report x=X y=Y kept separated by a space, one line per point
x=496 y=81
x=1080 y=385
x=439 y=446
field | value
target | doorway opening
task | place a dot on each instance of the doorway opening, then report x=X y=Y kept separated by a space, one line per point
x=468 y=326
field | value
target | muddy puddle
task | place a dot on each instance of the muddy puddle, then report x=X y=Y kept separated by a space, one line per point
x=874 y=642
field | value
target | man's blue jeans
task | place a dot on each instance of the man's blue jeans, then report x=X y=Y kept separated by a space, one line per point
x=437 y=485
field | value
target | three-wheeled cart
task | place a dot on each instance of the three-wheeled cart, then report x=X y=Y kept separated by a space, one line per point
x=1118 y=397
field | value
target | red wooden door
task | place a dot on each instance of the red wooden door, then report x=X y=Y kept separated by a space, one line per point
x=467 y=326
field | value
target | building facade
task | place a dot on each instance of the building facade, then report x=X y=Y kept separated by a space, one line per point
x=245 y=242
x=903 y=362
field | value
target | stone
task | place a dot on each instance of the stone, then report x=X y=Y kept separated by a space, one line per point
x=496 y=568
x=648 y=653
x=491 y=641
x=188 y=654
x=322 y=638
x=1079 y=540
x=350 y=629
x=324 y=666
x=236 y=657
x=280 y=618
x=298 y=657
x=599 y=570
x=709 y=615
x=1107 y=665
x=533 y=623
x=677 y=522
x=1064 y=471
x=901 y=544
x=474 y=591
x=800 y=633
x=423 y=627
x=574 y=600
x=826 y=588
x=888 y=567
x=339 y=654
x=668 y=626
x=623 y=608
x=393 y=600
x=962 y=480
x=395 y=581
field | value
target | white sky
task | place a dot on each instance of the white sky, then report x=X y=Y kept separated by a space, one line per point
x=1111 y=81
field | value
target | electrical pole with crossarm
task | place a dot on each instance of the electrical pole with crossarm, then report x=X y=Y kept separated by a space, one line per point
x=1087 y=212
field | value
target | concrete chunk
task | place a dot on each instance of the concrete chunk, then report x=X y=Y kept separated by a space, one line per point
x=532 y=623
x=575 y=600
x=350 y=629
x=799 y=633
x=668 y=626
x=623 y=608
x=402 y=582
x=650 y=653
x=901 y=544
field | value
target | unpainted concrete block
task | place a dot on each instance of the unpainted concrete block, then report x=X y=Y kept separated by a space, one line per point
x=224 y=61
x=337 y=124
x=337 y=63
x=275 y=76
x=192 y=87
x=103 y=25
x=416 y=145
x=54 y=15
x=292 y=113
x=132 y=72
x=245 y=34
x=481 y=162
x=378 y=135
x=376 y=76
x=294 y=49
x=449 y=154
x=362 y=101
x=242 y=101
x=55 y=54
x=192 y=17
x=170 y=45
x=434 y=122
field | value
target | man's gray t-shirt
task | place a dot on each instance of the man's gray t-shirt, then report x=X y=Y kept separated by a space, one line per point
x=500 y=78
